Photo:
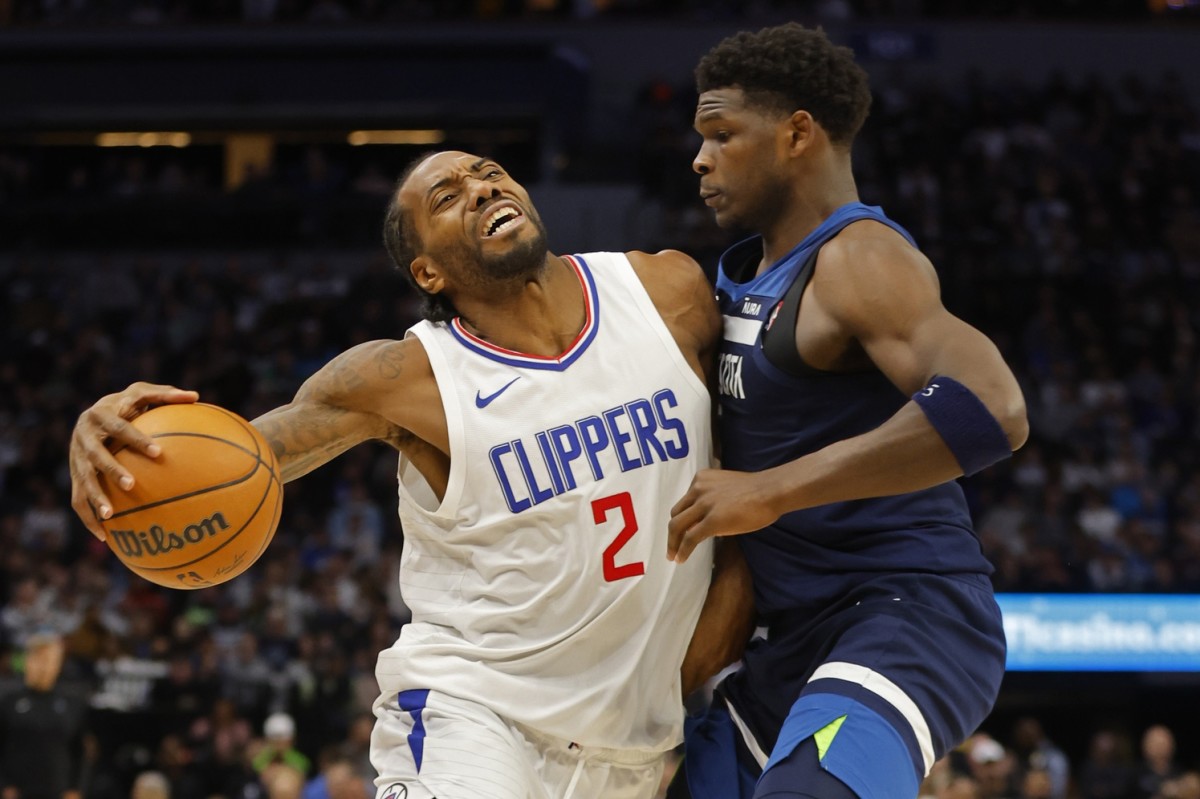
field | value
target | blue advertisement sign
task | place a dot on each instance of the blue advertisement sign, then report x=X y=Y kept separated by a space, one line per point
x=1102 y=632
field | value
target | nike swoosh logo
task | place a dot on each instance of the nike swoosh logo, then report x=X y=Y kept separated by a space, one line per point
x=483 y=402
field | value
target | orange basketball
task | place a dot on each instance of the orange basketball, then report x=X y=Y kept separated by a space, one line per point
x=202 y=511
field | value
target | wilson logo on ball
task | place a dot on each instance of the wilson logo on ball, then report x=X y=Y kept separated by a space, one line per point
x=156 y=540
x=206 y=508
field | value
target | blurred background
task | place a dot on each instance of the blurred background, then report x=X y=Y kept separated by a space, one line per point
x=191 y=192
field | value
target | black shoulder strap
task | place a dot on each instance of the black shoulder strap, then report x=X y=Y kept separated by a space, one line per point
x=779 y=338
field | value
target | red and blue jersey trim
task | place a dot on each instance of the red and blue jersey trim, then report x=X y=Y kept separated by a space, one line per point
x=591 y=307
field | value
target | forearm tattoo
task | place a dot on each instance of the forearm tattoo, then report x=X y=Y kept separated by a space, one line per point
x=315 y=428
x=306 y=436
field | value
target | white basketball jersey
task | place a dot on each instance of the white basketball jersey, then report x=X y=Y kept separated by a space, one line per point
x=540 y=585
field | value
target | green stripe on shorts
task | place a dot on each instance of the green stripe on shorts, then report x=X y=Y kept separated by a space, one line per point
x=824 y=736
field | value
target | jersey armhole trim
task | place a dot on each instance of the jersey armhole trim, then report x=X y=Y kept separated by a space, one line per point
x=637 y=291
x=447 y=509
x=779 y=336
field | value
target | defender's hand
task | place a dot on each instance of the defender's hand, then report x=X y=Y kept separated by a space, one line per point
x=105 y=427
x=719 y=502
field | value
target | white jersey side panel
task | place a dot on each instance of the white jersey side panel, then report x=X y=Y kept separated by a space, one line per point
x=540 y=585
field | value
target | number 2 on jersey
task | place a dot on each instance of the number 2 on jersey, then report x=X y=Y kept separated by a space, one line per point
x=600 y=509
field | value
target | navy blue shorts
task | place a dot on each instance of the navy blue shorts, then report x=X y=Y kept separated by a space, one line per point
x=886 y=681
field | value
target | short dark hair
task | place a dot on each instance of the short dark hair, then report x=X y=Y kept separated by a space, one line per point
x=790 y=67
x=403 y=245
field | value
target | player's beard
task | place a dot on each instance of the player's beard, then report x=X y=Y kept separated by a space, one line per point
x=525 y=259
x=522 y=261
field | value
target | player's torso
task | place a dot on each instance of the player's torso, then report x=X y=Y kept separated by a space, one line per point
x=770 y=416
x=544 y=565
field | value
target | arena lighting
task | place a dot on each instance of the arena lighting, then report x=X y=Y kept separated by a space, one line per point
x=144 y=139
x=361 y=137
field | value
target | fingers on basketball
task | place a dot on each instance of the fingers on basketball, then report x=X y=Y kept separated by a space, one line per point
x=205 y=509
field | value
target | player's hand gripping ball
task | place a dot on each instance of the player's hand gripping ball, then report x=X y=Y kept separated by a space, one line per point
x=202 y=511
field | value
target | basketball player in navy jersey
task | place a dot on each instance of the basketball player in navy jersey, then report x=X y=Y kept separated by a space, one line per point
x=537 y=467
x=850 y=400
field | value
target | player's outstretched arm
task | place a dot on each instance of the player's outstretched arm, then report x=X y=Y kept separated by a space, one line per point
x=352 y=399
x=103 y=428
x=966 y=411
x=365 y=393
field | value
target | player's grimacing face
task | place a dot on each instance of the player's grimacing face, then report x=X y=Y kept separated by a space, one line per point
x=740 y=178
x=468 y=212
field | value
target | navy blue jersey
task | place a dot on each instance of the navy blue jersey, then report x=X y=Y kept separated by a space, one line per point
x=770 y=417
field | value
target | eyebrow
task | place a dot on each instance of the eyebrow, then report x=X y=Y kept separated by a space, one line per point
x=475 y=167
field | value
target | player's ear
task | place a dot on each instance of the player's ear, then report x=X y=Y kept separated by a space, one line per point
x=428 y=274
x=801 y=129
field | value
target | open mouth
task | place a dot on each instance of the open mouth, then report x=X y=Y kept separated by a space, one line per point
x=501 y=220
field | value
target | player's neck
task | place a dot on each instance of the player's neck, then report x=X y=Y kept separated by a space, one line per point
x=542 y=316
x=816 y=197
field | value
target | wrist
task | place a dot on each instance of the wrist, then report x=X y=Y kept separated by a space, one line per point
x=776 y=492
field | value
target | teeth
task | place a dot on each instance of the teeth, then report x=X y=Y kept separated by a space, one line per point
x=506 y=225
x=497 y=215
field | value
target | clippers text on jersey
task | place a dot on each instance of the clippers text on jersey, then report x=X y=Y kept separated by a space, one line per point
x=625 y=437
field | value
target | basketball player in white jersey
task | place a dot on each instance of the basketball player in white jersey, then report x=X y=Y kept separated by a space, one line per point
x=548 y=412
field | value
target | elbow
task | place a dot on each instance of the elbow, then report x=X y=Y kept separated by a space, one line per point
x=1015 y=423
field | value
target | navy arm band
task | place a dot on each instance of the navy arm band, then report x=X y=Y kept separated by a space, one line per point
x=964 y=423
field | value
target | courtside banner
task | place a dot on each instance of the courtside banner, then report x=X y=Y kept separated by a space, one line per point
x=1102 y=632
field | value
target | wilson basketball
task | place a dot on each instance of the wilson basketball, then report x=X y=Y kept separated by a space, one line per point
x=205 y=509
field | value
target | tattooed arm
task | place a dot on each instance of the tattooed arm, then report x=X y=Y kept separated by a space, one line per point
x=379 y=390
x=336 y=408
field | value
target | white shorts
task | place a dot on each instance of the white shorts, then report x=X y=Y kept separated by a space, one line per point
x=428 y=745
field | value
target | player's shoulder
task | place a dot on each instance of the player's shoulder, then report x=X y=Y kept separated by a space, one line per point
x=665 y=259
x=869 y=275
x=371 y=363
x=865 y=246
x=668 y=270
x=376 y=350
x=681 y=293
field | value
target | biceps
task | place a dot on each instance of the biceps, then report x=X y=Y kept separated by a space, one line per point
x=940 y=344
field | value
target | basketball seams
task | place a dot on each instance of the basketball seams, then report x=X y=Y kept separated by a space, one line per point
x=256 y=462
x=256 y=458
x=256 y=455
x=255 y=435
x=260 y=443
x=264 y=512
x=275 y=514
x=228 y=539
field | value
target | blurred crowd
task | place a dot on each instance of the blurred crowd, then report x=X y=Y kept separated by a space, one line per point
x=1027 y=763
x=34 y=13
x=184 y=681
x=1064 y=219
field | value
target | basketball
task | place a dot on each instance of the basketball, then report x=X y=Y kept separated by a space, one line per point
x=205 y=509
